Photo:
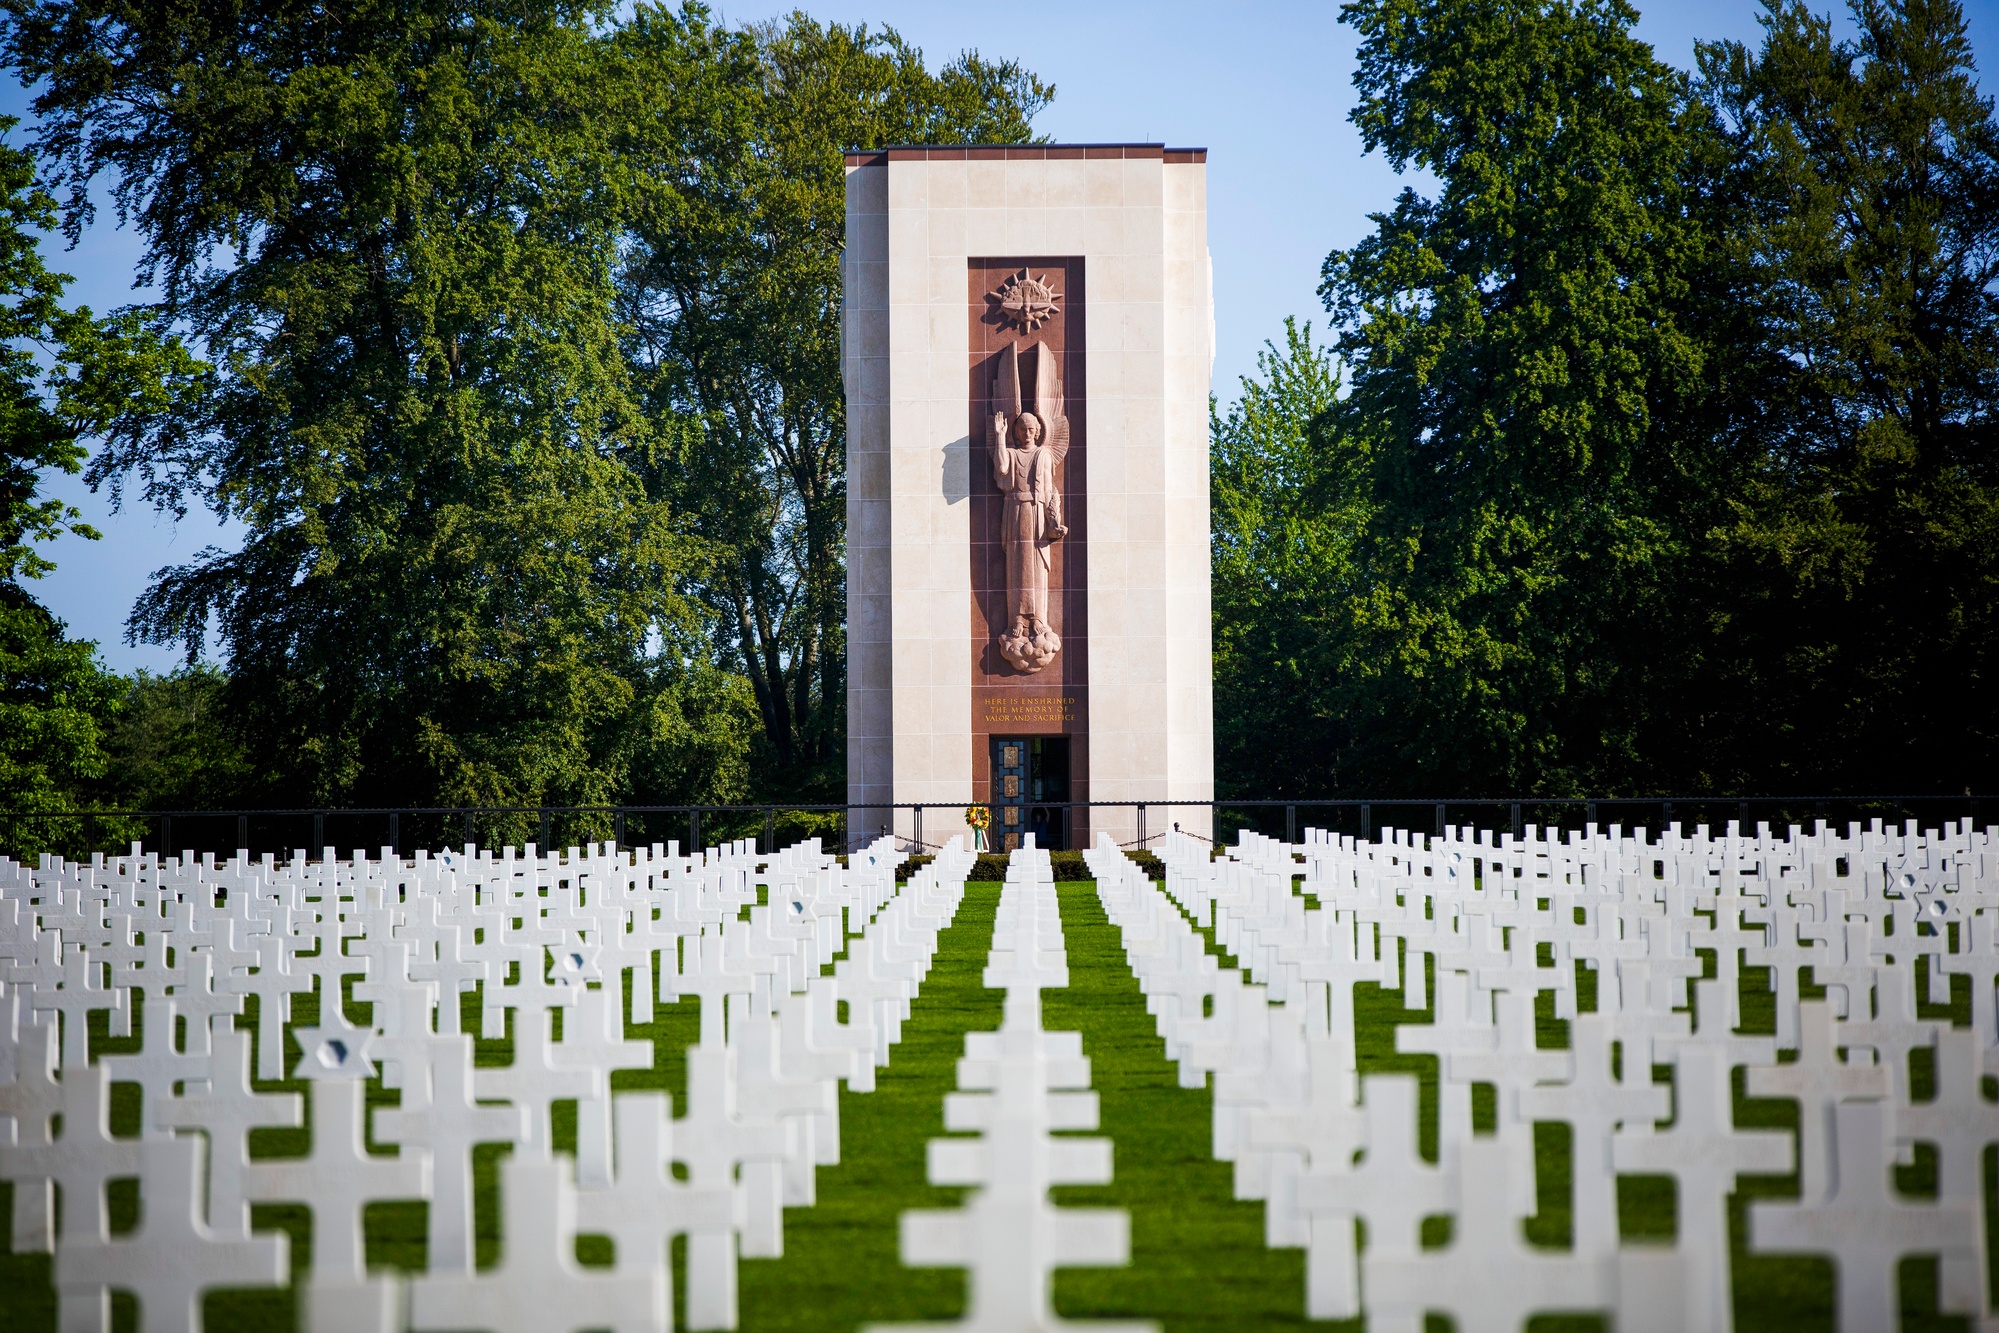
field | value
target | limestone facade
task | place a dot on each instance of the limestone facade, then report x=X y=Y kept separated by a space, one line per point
x=1127 y=225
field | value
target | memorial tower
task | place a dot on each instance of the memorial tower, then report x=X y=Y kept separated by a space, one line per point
x=1028 y=336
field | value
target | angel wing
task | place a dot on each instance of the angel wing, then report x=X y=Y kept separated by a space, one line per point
x=1048 y=402
x=1006 y=383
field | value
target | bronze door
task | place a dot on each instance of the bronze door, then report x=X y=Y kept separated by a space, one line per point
x=1010 y=792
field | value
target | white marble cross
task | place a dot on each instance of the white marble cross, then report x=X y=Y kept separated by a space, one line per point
x=1330 y=1130
x=1961 y=1125
x=1595 y=1102
x=338 y=1180
x=804 y=1103
x=171 y=1258
x=537 y=1286
x=158 y=1066
x=1861 y=1224
x=713 y=1138
x=80 y=1161
x=1486 y=1278
x=30 y=1098
x=439 y=1114
x=227 y=1111
x=1704 y=1152
x=593 y=1039
x=1819 y=1081
x=706 y=971
x=643 y=1207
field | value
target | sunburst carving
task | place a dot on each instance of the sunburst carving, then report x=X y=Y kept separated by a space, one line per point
x=1026 y=300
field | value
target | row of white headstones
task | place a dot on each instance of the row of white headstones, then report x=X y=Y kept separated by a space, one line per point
x=805 y=970
x=1479 y=929
x=1499 y=923
x=1017 y=1087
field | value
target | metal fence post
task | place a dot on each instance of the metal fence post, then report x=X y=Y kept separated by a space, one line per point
x=1518 y=829
x=1141 y=826
x=542 y=846
x=618 y=823
x=694 y=831
x=318 y=831
x=396 y=831
x=470 y=835
x=166 y=836
x=770 y=831
x=1366 y=820
x=1441 y=824
x=918 y=825
x=243 y=834
x=1291 y=824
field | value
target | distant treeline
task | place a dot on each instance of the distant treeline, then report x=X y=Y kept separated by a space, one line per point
x=1654 y=450
x=509 y=332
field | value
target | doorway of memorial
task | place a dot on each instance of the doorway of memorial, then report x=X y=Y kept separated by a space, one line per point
x=1030 y=791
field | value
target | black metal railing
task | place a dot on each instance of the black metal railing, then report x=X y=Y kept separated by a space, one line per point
x=1288 y=818
x=921 y=826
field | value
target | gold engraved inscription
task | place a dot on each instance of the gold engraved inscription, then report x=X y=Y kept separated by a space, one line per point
x=1030 y=710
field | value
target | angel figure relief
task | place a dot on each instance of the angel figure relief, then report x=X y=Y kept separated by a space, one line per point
x=1027 y=448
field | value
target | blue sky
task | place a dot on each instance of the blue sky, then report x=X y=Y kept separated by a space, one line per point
x=1264 y=87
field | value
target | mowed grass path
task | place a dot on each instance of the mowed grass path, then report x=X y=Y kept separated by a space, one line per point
x=1198 y=1258
x=841 y=1267
x=1198 y=1261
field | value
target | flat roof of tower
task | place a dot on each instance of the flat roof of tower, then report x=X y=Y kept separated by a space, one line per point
x=1021 y=152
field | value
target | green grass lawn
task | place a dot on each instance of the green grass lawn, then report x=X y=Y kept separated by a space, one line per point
x=1198 y=1261
x=840 y=1267
x=1198 y=1258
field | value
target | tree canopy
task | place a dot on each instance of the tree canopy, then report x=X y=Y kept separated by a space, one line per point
x=56 y=698
x=509 y=335
x=1665 y=458
x=1652 y=448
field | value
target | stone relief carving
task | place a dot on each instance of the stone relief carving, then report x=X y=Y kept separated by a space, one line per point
x=1027 y=447
x=1026 y=300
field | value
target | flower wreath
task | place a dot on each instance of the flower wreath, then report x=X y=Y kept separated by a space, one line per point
x=978 y=816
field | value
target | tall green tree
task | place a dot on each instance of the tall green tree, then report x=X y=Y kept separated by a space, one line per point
x=1858 y=585
x=1669 y=449
x=390 y=235
x=732 y=289
x=56 y=698
x=510 y=334
x=171 y=745
x=1289 y=507
x=1525 y=356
